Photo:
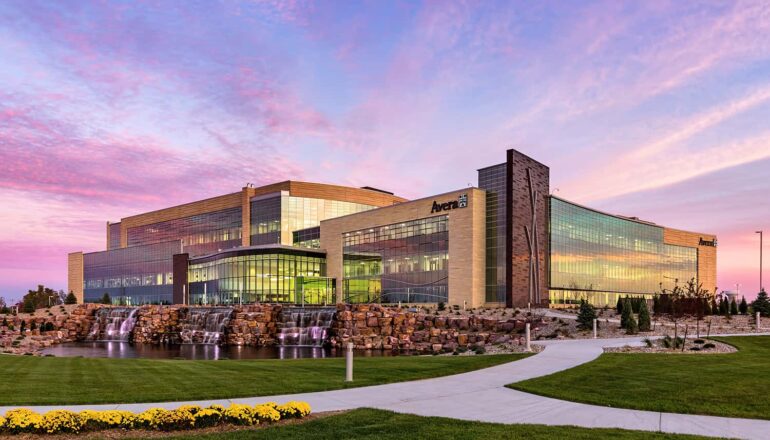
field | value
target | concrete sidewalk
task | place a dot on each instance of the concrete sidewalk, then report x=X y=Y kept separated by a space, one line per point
x=481 y=396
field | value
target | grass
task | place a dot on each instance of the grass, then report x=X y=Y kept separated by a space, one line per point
x=729 y=385
x=363 y=424
x=59 y=380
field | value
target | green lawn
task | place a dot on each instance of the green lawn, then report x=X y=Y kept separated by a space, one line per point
x=730 y=385
x=31 y=380
x=363 y=424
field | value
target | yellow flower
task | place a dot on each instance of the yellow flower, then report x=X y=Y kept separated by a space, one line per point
x=61 y=421
x=148 y=418
x=294 y=409
x=267 y=413
x=207 y=417
x=22 y=420
x=238 y=414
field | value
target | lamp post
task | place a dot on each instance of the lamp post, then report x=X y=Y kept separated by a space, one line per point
x=761 y=287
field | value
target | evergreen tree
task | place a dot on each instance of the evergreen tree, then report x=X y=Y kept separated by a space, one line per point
x=106 y=298
x=626 y=315
x=586 y=316
x=22 y=325
x=632 y=327
x=656 y=305
x=714 y=306
x=733 y=307
x=723 y=306
x=761 y=304
x=71 y=298
x=744 y=306
x=644 y=318
x=619 y=305
x=33 y=326
x=707 y=307
x=5 y=322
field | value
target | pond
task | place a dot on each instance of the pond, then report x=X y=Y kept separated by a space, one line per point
x=125 y=350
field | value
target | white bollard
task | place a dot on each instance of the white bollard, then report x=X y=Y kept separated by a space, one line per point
x=594 y=328
x=529 y=347
x=758 y=326
x=349 y=363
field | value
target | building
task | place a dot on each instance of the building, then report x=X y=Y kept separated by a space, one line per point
x=507 y=242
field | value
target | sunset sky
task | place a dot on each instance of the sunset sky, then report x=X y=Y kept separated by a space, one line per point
x=654 y=109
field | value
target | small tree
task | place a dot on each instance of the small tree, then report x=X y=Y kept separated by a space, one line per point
x=5 y=322
x=724 y=308
x=733 y=307
x=656 y=305
x=71 y=298
x=619 y=305
x=714 y=305
x=22 y=326
x=632 y=327
x=761 y=304
x=33 y=326
x=626 y=314
x=644 y=318
x=743 y=307
x=106 y=298
x=586 y=315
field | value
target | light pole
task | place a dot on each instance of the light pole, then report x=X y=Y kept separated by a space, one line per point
x=761 y=287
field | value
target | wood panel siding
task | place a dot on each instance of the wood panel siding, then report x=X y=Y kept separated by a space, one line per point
x=75 y=275
x=707 y=255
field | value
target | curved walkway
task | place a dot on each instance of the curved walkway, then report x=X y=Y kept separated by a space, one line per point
x=481 y=396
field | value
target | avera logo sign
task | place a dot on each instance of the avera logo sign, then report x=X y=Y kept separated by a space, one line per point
x=461 y=202
x=712 y=243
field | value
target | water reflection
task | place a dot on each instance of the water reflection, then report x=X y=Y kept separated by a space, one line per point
x=124 y=350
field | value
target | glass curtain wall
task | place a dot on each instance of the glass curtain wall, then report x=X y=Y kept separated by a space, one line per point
x=270 y=216
x=600 y=257
x=493 y=179
x=114 y=236
x=307 y=238
x=407 y=262
x=200 y=234
x=278 y=276
x=131 y=276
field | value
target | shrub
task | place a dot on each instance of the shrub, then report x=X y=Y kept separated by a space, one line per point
x=61 y=421
x=207 y=417
x=586 y=316
x=648 y=342
x=709 y=345
x=174 y=420
x=70 y=299
x=694 y=348
x=626 y=314
x=238 y=414
x=111 y=419
x=699 y=341
x=632 y=327
x=743 y=307
x=267 y=413
x=733 y=307
x=441 y=307
x=293 y=409
x=761 y=304
x=148 y=419
x=479 y=349
x=22 y=420
x=644 y=317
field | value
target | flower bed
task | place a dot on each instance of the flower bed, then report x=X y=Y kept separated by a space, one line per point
x=25 y=421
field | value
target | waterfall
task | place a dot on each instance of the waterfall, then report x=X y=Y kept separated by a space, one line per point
x=305 y=327
x=205 y=325
x=113 y=324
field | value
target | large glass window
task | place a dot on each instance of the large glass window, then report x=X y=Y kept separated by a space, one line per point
x=278 y=276
x=272 y=215
x=492 y=180
x=407 y=262
x=131 y=276
x=600 y=257
x=200 y=234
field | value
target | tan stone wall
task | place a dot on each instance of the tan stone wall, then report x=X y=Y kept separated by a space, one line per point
x=466 y=240
x=707 y=255
x=75 y=275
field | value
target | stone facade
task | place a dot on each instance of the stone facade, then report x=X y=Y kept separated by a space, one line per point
x=371 y=326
